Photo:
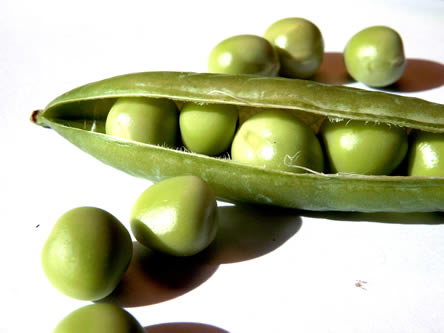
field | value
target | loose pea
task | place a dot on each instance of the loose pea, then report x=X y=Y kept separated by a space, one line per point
x=86 y=253
x=300 y=46
x=375 y=56
x=208 y=128
x=359 y=147
x=177 y=216
x=244 y=54
x=426 y=155
x=99 y=318
x=278 y=140
x=147 y=120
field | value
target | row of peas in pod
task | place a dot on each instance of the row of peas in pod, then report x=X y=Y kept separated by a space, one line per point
x=294 y=47
x=89 y=250
x=291 y=47
x=278 y=139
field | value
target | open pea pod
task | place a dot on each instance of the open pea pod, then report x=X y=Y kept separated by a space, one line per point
x=79 y=116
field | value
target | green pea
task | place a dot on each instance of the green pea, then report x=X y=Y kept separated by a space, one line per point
x=426 y=155
x=147 y=120
x=276 y=139
x=99 y=318
x=86 y=253
x=375 y=56
x=300 y=46
x=360 y=147
x=244 y=54
x=208 y=128
x=177 y=216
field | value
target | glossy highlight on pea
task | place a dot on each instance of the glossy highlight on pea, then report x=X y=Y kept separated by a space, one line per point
x=72 y=116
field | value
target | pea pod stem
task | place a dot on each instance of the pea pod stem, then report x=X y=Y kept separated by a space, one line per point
x=74 y=114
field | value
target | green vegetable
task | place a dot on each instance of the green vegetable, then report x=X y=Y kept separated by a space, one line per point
x=145 y=120
x=77 y=115
x=300 y=46
x=208 y=128
x=363 y=148
x=177 y=216
x=375 y=56
x=86 y=253
x=426 y=156
x=277 y=140
x=99 y=318
x=244 y=54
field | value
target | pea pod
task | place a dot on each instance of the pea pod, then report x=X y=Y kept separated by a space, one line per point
x=79 y=116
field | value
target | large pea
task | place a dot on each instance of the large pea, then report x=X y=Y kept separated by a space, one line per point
x=177 y=216
x=147 y=120
x=300 y=46
x=365 y=148
x=208 y=128
x=375 y=56
x=426 y=155
x=276 y=139
x=99 y=318
x=86 y=253
x=244 y=54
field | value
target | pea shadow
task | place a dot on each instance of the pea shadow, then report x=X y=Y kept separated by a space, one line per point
x=245 y=233
x=434 y=218
x=332 y=70
x=183 y=328
x=419 y=75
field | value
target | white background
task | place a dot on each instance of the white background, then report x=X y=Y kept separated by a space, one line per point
x=273 y=271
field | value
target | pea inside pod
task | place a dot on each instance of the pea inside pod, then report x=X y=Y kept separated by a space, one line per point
x=73 y=113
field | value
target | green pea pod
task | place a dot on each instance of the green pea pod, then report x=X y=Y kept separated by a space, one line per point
x=79 y=116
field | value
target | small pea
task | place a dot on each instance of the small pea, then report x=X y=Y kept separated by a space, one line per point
x=276 y=139
x=300 y=46
x=147 y=120
x=359 y=147
x=99 y=318
x=375 y=56
x=177 y=216
x=208 y=128
x=86 y=253
x=426 y=155
x=244 y=54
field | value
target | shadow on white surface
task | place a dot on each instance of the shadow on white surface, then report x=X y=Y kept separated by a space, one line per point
x=393 y=218
x=183 y=328
x=332 y=70
x=244 y=233
x=419 y=75
x=247 y=232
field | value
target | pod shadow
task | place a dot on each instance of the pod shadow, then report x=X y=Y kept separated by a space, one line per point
x=332 y=70
x=183 y=328
x=392 y=218
x=247 y=232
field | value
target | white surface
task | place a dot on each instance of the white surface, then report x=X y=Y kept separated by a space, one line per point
x=301 y=275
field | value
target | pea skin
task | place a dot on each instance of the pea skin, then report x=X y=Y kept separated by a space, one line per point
x=375 y=56
x=244 y=54
x=208 y=128
x=299 y=44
